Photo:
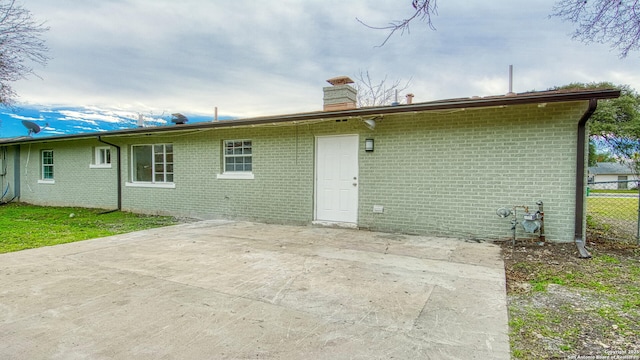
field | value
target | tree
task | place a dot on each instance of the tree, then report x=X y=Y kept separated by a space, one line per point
x=616 y=122
x=605 y=21
x=21 y=44
x=597 y=155
x=423 y=10
x=373 y=93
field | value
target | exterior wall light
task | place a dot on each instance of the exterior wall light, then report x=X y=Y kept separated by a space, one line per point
x=368 y=145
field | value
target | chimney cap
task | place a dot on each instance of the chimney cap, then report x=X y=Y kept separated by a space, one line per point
x=340 y=80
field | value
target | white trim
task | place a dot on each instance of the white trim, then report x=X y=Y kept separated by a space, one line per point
x=101 y=166
x=151 y=185
x=46 y=181
x=153 y=166
x=96 y=156
x=236 y=176
x=226 y=157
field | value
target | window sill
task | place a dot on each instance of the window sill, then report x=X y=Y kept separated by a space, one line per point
x=236 y=176
x=100 y=166
x=151 y=185
x=48 y=182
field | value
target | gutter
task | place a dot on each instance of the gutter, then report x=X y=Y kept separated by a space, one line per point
x=118 y=166
x=451 y=104
x=580 y=237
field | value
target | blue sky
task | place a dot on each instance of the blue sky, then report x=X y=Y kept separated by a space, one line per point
x=63 y=120
x=129 y=57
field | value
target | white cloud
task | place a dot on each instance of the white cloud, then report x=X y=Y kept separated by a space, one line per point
x=28 y=118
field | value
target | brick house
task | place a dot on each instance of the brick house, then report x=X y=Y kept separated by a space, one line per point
x=438 y=168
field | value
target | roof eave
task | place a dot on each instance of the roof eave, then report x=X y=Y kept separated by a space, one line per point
x=463 y=103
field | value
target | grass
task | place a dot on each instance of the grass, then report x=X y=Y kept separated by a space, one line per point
x=605 y=191
x=573 y=306
x=614 y=208
x=615 y=218
x=27 y=226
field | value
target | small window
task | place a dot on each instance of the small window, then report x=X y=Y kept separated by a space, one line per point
x=237 y=156
x=237 y=160
x=101 y=157
x=47 y=165
x=152 y=163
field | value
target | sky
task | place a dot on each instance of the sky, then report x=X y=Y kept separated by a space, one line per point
x=122 y=58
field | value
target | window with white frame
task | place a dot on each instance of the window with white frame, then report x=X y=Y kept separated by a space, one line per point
x=238 y=156
x=101 y=157
x=152 y=163
x=237 y=160
x=47 y=165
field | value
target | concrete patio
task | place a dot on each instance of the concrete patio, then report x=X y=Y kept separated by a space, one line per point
x=239 y=290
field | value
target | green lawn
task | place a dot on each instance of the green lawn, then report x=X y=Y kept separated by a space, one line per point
x=612 y=207
x=26 y=226
x=613 y=218
x=607 y=191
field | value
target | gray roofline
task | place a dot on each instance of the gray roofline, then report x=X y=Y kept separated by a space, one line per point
x=449 y=104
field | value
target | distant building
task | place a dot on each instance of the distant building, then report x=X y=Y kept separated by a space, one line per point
x=612 y=175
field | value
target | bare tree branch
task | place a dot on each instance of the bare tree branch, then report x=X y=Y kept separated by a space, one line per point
x=603 y=21
x=423 y=10
x=21 y=44
x=372 y=93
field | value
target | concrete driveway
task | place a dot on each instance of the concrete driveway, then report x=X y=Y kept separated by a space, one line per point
x=239 y=290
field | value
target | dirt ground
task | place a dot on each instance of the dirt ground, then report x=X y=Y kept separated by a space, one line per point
x=565 y=307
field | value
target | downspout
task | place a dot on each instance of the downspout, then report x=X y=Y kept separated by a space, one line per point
x=16 y=173
x=580 y=237
x=118 y=166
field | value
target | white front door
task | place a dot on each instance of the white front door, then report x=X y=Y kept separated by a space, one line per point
x=337 y=178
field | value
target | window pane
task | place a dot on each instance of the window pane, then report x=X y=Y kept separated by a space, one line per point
x=153 y=163
x=47 y=172
x=47 y=157
x=47 y=164
x=108 y=156
x=142 y=165
x=237 y=155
